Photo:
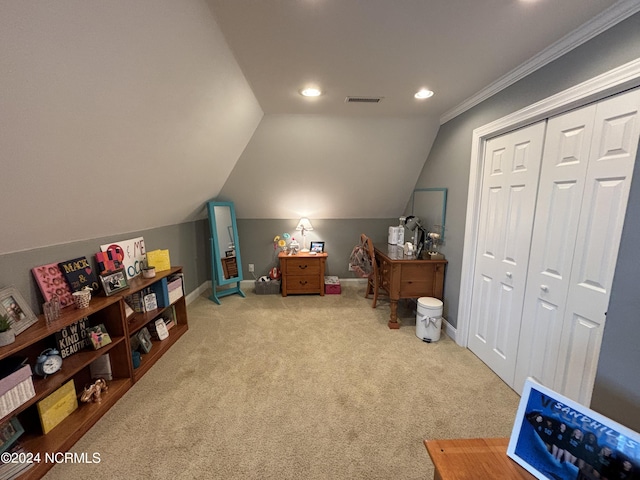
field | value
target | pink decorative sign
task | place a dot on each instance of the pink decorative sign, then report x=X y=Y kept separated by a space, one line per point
x=52 y=283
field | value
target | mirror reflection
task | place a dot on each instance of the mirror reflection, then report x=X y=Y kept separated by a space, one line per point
x=226 y=267
x=226 y=241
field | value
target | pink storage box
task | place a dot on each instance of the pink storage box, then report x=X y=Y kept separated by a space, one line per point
x=331 y=285
x=175 y=289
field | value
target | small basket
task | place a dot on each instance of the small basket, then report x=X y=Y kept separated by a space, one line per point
x=82 y=298
x=272 y=287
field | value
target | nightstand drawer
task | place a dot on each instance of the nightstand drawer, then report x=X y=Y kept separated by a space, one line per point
x=303 y=266
x=303 y=284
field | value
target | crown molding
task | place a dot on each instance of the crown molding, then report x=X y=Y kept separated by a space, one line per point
x=615 y=14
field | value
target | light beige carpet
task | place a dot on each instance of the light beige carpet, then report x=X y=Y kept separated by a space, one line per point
x=303 y=387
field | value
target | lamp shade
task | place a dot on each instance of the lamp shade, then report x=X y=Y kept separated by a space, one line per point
x=305 y=225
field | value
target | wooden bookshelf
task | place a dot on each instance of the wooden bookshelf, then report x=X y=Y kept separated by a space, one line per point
x=109 y=311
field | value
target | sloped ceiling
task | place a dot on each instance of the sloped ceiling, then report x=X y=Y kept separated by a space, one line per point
x=114 y=117
x=130 y=114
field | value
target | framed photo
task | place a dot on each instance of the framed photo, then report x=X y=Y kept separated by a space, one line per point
x=556 y=438
x=14 y=306
x=114 y=282
x=317 y=247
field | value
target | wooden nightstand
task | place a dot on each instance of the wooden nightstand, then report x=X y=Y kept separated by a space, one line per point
x=302 y=273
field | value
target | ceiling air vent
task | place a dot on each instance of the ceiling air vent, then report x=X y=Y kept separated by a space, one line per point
x=363 y=99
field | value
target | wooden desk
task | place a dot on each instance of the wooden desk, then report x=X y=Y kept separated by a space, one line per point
x=474 y=458
x=407 y=277
x=302 y=273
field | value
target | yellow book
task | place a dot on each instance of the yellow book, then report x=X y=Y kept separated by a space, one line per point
x=159 y=259
x=57 y=406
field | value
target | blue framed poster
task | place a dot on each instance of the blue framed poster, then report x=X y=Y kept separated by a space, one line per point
x=556 y=438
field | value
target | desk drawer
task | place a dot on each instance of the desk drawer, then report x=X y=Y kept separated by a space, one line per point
x=303 y=266
x=303 y=284
x=418 y=280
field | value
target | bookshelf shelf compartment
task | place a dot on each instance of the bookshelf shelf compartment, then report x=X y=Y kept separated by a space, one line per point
x=109 y=311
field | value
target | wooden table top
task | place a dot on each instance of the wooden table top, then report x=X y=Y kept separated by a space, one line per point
x=474 y=458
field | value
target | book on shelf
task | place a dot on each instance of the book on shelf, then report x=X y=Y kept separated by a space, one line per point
x=13 y=470
x=169 y=317
x=79 y=274
x=57 y=406
x=101 y=368
x=98 y=336
x=53 y=284
x=161 y=291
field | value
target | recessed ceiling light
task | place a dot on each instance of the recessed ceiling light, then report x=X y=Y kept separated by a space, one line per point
x=424 y=93
x=310 y=92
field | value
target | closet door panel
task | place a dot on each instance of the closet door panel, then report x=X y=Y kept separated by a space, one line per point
x=613 y=152
x=510 y=177
x=562 y=177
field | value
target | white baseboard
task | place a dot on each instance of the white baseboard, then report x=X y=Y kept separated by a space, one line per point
x=198 y=291
x=449 y=329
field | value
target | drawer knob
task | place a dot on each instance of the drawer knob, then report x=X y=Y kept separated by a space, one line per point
x=302 y=267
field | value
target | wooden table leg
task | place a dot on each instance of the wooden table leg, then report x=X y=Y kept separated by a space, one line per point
x=393 y=321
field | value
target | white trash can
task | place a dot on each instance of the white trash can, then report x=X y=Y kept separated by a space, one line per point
x=429 y=319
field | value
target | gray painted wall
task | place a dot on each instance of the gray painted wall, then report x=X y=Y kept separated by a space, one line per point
x=340 y=236
x=322 y=166
x=184 y=242
x=448 y=166
x=617 y=391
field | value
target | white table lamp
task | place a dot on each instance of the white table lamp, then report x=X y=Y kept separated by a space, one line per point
x=304 y=225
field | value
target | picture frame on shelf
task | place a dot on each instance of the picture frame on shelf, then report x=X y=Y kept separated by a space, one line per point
x=14 y=306
x=98 y=336
x=10 y=431
x=114 y=282
x=555 y=438
x=317 y=247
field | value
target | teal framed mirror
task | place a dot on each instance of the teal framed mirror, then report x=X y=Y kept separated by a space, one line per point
x=226 y=263
x=430 y=205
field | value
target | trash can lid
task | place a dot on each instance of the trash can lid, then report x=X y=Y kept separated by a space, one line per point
x=430 y=302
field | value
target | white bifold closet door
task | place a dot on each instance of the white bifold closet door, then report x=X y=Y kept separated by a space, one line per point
x=579 y=212
x=509 y=184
